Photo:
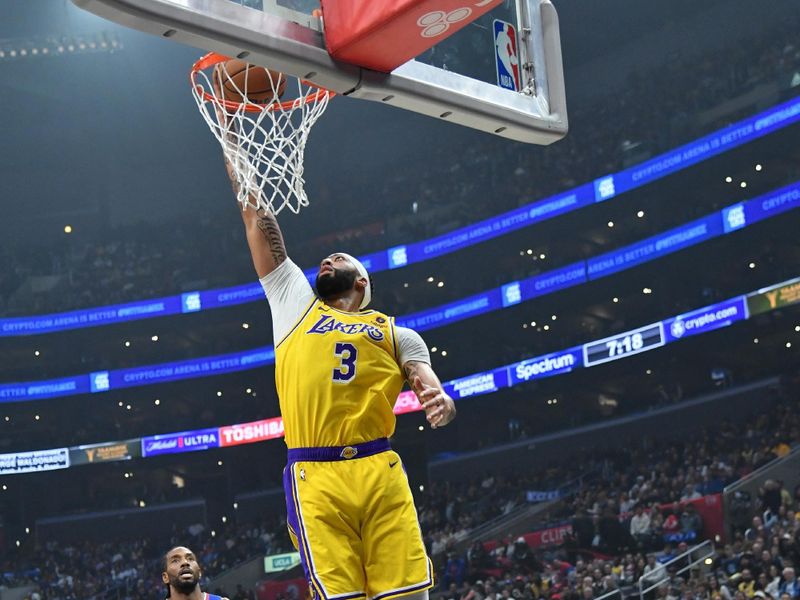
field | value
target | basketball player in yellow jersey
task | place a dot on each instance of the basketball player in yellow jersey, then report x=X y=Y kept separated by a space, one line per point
x=338 y=370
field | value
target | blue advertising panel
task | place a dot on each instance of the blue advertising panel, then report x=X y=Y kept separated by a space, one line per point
x=706 y=319
x=710 y=145
x=453 y=311
x=548 y=365
x=189 y=369
x=772 y=203
x=621 y=345
x=601 y=189
x=655 y=247
x=90 y=317
x=38 y=390
x=495 y=299
x=510 y=294
x=185 y=441
x=734 y=217
x=103 y=381
x=604 y=188
x=526 y=216
x=239 y=294
x=398 y=256
x=552 y=281
x=477 y=384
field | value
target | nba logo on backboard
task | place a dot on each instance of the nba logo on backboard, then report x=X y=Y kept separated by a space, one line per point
x=507 y=58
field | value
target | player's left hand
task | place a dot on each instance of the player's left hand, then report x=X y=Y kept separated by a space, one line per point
x=438 y=405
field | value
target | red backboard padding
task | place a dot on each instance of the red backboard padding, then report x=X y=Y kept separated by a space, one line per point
x=383 y=34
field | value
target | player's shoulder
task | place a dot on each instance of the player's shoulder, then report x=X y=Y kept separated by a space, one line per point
x=286 y=272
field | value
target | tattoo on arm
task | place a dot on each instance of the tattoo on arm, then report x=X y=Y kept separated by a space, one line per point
x=268 y=225
x=231 y=176
x=411 y=369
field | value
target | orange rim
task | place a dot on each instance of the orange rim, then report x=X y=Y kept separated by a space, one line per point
x=213 y=58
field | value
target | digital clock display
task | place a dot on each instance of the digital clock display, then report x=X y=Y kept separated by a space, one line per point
x=624 y=344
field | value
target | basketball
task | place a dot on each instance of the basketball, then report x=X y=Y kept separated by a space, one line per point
x=243 y=82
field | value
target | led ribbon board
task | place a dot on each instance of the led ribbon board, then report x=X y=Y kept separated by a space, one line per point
x=696 y=322
x=717 y=224
x=601 y=190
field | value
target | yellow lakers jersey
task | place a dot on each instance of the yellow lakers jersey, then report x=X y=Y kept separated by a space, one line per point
x=337 y=377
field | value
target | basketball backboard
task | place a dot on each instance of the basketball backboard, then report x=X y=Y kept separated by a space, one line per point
x=463 y=79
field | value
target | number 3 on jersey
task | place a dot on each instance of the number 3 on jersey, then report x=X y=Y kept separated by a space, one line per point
x=346 y=370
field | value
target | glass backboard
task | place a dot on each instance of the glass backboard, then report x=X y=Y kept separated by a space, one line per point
x=460 y=79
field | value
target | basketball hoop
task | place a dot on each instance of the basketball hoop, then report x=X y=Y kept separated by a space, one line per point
x=264 y=143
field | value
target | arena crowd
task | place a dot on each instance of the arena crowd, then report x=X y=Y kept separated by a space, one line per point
x=630 y=514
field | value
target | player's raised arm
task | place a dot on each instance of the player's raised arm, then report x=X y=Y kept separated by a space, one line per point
x=263 y=234
x=438 y=405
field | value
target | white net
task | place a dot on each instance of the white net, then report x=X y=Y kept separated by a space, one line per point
x=264 y=143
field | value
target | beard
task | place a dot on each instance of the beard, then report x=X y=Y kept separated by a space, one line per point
x=335 y=283
x=183 y=586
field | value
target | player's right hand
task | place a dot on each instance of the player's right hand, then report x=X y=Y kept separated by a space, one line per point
x=438 y=405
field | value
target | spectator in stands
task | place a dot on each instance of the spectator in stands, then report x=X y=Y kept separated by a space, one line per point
x=790 y=584
x=771 y=500
x=717 y=590
x=691 y=522
x=756 y=530
x=654 y=570
x=454 y=571
x=689 y=493
x=640 y=527
x=747 y=584
x=666 y=555
x=523 y=557
x=728 y=561
x=626 y=503
x=583 y=528
x=772 y=582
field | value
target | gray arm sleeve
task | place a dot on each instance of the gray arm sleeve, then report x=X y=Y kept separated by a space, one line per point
x=410 y=346
x=289 y=294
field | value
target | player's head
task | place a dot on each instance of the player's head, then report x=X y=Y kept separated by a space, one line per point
x=339 y=273
x=180 y=570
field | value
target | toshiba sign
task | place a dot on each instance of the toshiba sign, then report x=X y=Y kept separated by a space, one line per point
x=249 y=433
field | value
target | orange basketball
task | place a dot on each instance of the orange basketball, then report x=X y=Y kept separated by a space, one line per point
x=243 y=82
